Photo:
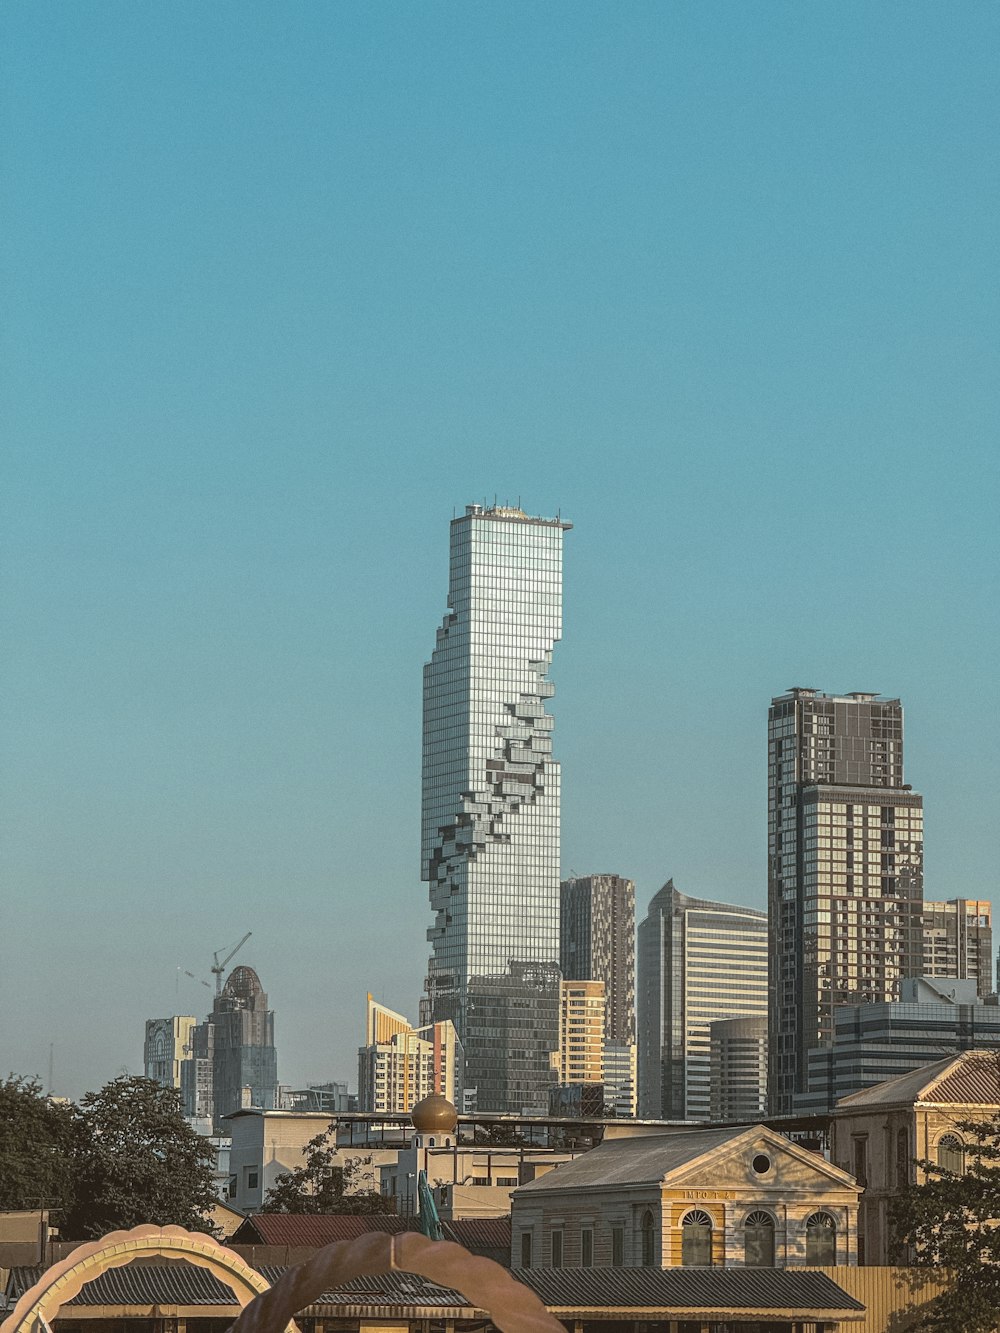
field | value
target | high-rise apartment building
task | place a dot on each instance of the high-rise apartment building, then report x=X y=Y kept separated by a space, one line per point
x=958 y=941
x=233 y=1062
x=597 y=942
x=845 y=871
x=490 y=786
x=399 y=1065
x=581 y=1031
x=168 y=1044
x=699 y=961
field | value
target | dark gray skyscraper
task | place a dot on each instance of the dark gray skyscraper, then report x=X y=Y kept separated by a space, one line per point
x=490 y=782
x=699 y=961
x=845 y=871
x=597 y=943
x=233 y=1059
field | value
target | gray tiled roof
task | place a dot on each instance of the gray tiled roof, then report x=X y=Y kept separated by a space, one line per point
x=972 y=1077
x=688 y=1288
x=633 y=1160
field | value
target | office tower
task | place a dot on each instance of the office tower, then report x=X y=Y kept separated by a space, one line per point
x=699 y=961
x=512 y=1022
x=958 y=941
x=845 y=871
x=738 y=1066
x=399 y=1065
x=168 y=1043
x=581 y=1031
x=490 y=784
x=620 y=1082
x=233 y=1060
x=934 y=1017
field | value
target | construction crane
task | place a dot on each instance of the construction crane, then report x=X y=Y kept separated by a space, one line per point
x=218 y=968
x=192 y=976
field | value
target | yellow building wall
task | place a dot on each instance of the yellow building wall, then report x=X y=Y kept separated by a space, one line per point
x=892 y=1297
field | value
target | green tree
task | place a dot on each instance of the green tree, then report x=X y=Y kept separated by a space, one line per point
x=321 y=1185
x=37 y=1139
x=136 y=1160
x=952 y=1222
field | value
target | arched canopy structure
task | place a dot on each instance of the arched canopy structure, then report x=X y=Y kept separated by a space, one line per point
x=39 y=1306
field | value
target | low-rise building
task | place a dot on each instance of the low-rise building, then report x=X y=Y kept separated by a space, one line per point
x=468 y=1179
x=882 y=1133
x=688 y=1198
x=266 y=1144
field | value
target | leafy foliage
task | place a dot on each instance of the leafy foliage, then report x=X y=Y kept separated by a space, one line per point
x=322 y=1185
x=124 y=1156
x=37 y=1139
x=952 y=1221
x=138 y=1160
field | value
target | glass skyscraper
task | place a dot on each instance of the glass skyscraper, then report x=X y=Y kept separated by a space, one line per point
x=845 y=872
x=699 y=961
x=490 y=819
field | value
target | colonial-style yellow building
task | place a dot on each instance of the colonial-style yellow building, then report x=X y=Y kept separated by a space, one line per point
x=883 y=1132
x=706 y=1197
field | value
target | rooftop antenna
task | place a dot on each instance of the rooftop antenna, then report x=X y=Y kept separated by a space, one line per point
x=51 y=1067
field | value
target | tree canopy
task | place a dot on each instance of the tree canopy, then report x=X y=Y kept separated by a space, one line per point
x=37 y=1143
x=952 y=1221
x=124 y=1156
x=139 y=1161
x=322 y=1185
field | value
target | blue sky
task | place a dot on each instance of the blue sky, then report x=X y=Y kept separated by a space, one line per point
x=285 y=285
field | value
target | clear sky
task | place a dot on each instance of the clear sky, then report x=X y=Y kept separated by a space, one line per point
x=285 y=284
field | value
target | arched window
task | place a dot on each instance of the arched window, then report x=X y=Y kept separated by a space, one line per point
x=648 y=1239
x=696 y=1239
x=758 y=1240
x=821 y=1240
x=951 y=1154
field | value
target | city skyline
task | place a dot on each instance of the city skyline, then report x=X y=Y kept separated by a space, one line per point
x=285 y=291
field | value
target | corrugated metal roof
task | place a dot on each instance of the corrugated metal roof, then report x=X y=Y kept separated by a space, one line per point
x=21 y=1278
x=972 y=1077
x=479 y=1234
x=382 y=1289
x=315 y=1229
x=138 y=1284
x=688 y=1288
x=642 y=1159
x=582 y=1288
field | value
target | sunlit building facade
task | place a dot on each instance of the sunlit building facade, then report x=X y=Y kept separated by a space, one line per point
x=399 y=1064
x=581 y=1032
x=845 y=872
x=958 y=941
x=167 y=1046
x=699 y=961
x=490 y=810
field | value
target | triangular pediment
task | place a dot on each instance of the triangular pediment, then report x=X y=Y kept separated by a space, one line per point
x=756 y=1159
